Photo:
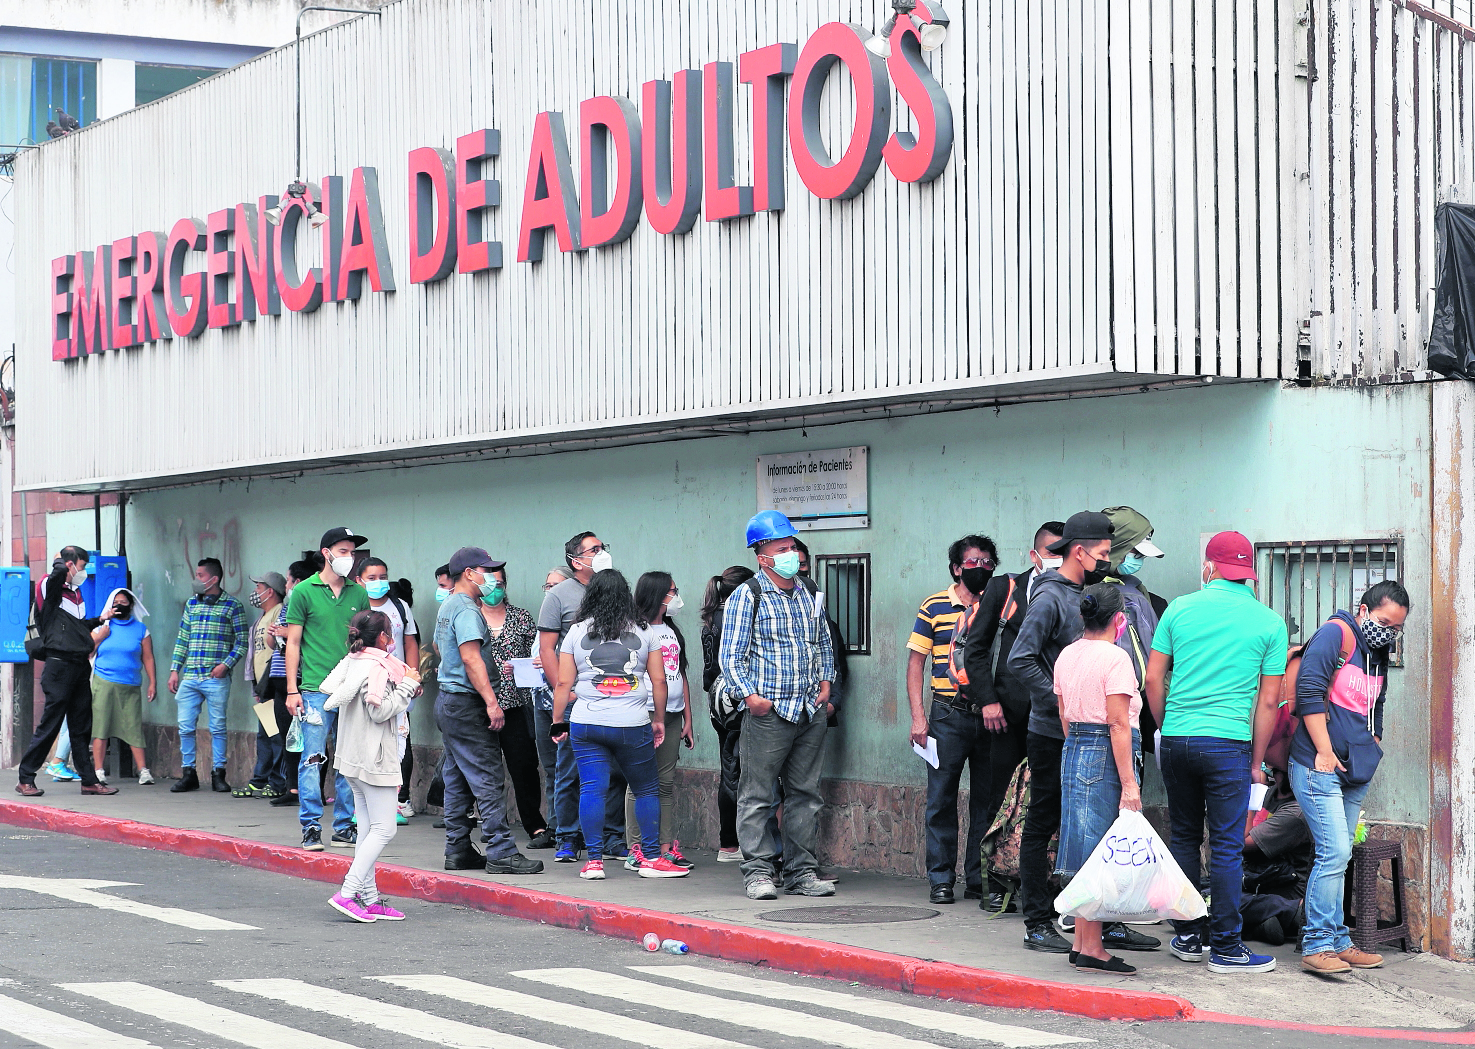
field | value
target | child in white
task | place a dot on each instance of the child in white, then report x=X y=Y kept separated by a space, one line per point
x=370 y=688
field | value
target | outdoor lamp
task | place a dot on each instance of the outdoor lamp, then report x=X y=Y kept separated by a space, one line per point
x=298 y=190
x=931 y=34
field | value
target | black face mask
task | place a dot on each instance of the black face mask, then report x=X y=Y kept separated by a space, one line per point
x=123 y=612
x=1098 y=573
x=975 y=579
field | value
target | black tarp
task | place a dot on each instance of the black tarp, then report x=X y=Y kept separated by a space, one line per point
x=1452 y=337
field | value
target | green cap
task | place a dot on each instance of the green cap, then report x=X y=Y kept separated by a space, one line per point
x=1129 y=531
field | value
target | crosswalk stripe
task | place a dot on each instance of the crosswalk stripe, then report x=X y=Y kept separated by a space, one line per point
x=210 y=1019
x=746 y=1014
x=55 y=1031
x=968 y=1026
x=84 y=891
x=409 y=1022
x=576 y=1016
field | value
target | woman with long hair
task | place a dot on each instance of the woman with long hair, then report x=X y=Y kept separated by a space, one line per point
x=719 y=589
x=656 y=600
x=371 y=688
x=611 y=662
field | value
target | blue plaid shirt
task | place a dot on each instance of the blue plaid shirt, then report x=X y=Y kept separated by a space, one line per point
x=211 y=631
x=783 y=655
x=278 y=666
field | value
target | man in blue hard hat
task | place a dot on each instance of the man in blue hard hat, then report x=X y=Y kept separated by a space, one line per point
x=778 y=658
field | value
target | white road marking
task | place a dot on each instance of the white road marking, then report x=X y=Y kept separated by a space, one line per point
x=81 y=890
x=213 y=1020
x=575 y=1016
x=935 y=1020
x=55 y=1031
x=746 y=1014
x=409 y=1022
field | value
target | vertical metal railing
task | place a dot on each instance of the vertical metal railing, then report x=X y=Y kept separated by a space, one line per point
x=1307 y=582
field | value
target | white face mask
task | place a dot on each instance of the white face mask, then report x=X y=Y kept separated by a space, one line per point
x=675 y=605
x=1049 y=564
x=342 y=565
x=78 y=577
x=602 y=561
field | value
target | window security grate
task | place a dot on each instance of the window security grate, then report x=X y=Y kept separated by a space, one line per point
x=845 y=580
x=1306 y=582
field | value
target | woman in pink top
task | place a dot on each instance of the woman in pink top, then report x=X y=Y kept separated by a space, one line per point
x=1099 y=704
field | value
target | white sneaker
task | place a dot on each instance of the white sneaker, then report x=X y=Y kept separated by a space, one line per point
x=145 y=777
x=729 y=856
x=100 y=777
x=406 y=809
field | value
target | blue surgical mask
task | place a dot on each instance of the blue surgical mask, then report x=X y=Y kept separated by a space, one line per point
x=377 y=588
x=786 y=564
x=1132 y=564
x=441 y=593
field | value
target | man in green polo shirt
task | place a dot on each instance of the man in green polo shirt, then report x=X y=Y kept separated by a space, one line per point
x=1225 y=651
x=317 y=638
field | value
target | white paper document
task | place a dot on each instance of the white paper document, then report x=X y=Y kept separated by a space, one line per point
x=526 y=675
x=927 y=753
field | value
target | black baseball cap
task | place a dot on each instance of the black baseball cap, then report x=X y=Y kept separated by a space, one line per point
x=1087 y=526
x=337 y=535
x=473 y=557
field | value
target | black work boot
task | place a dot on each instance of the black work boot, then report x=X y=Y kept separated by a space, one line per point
x=465 y=858
x=217 y=781
x=187 y=781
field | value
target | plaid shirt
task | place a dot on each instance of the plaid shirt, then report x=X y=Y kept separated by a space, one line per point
x=211 y=631
x=785 y=654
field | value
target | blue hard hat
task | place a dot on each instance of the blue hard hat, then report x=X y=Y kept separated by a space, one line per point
x=769 y=524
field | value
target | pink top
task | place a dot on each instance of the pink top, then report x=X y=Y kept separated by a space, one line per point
x=1089 y=671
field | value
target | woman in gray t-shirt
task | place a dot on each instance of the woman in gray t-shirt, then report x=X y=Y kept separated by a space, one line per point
x=612 y=663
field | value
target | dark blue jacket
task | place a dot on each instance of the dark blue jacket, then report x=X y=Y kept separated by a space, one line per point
x=1319 y=666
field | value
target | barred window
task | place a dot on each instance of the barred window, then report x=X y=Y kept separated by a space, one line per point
x=845 y=580
x=1306 y=582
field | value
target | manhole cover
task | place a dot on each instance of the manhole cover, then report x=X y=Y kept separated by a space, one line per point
x=849 y=915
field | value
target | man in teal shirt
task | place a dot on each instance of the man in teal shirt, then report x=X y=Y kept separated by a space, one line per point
x=1224 y=650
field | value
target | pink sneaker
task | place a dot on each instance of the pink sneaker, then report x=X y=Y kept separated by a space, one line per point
x=382 y=911
x=674 y=855
x=593 y=871
x=351 y=906
x=661 y=868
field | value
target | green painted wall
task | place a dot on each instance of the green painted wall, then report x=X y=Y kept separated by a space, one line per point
x=1277 y=464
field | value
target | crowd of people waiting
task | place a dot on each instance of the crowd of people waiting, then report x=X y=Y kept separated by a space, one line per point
x=1070 y=669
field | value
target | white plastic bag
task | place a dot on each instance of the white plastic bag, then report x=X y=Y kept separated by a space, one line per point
x=1131 y=876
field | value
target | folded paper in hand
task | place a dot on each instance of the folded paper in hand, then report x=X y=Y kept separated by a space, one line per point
x=525 y=673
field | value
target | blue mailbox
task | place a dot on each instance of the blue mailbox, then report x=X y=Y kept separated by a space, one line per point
x=105 y=573
x=15 y=610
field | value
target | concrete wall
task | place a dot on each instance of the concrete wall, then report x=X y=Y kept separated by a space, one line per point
x=1276 y=464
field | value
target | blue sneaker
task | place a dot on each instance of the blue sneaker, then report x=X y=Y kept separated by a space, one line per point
x=1187 y=948
x=1239 y=960
x=615 y=850
x=567 y=852
x=60 y=772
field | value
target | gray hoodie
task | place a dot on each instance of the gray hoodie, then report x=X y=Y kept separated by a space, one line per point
x=1052 y=621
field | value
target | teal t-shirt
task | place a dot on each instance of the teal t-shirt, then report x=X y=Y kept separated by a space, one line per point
x=1221 y=640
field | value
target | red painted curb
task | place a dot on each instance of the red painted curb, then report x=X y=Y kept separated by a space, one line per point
x=731 y=942
x=1384 y=1033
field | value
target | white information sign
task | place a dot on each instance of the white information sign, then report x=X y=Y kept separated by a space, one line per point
x=825 y=489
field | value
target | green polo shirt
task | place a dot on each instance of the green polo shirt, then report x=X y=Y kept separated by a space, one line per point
x=1221 y=640
x=324 y=622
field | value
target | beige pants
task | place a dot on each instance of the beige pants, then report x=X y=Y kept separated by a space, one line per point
x=666 y=755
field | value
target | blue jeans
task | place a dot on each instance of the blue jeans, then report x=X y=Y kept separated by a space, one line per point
x=1331 y=812
x=195 y=691
x=961 y=739
x=599 y=748
x=1090 y=792
x=1209 y=778
x=562 y=776
x=309 y=783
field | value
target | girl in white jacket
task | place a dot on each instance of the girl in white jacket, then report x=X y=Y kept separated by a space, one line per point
x=370 y=689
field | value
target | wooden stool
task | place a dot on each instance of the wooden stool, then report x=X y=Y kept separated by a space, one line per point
x=1368 y=931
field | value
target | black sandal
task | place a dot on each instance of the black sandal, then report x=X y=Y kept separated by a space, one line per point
x=1085 y=963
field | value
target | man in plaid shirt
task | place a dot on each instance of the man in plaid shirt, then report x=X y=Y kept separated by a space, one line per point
x=212 y=639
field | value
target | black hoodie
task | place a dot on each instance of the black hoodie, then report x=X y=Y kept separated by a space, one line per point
x=1052 y=621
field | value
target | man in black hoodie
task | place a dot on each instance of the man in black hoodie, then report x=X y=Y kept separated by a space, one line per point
x=1052 y=621
x=66 y=634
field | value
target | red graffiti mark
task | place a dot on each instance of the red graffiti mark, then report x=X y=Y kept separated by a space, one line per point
x=224 y=545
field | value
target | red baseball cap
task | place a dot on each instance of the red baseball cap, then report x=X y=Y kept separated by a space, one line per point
x=1233 y=555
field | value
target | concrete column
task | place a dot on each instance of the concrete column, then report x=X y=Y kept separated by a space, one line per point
x=1450 y=621
x=115 y=87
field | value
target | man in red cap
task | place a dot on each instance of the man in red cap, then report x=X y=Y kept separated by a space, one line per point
x=1225 y=651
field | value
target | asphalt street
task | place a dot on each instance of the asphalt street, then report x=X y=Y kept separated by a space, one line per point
x=192 y=953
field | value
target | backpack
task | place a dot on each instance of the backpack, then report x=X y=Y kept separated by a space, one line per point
x=35 y=647
x=957 y=657
x=724 y=705
x=1293 y=662
x=999 y=851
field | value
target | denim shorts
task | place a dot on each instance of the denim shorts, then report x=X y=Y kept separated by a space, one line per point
x=1090 y=792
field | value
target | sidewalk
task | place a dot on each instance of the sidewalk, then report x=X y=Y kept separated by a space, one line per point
x=1411 y=991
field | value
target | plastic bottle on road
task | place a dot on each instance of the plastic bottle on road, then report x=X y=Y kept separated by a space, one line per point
x=651 y=942
x=674 y=947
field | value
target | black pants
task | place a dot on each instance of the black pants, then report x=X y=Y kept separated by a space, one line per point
x=1040 y=824
x=68 y=689
x=727 y=786
x=1006 y=751
x=406 y=770
x=276 y=691
x=520 y=751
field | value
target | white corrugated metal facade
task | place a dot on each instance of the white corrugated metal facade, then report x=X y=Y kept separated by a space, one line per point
x=1138 y=188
